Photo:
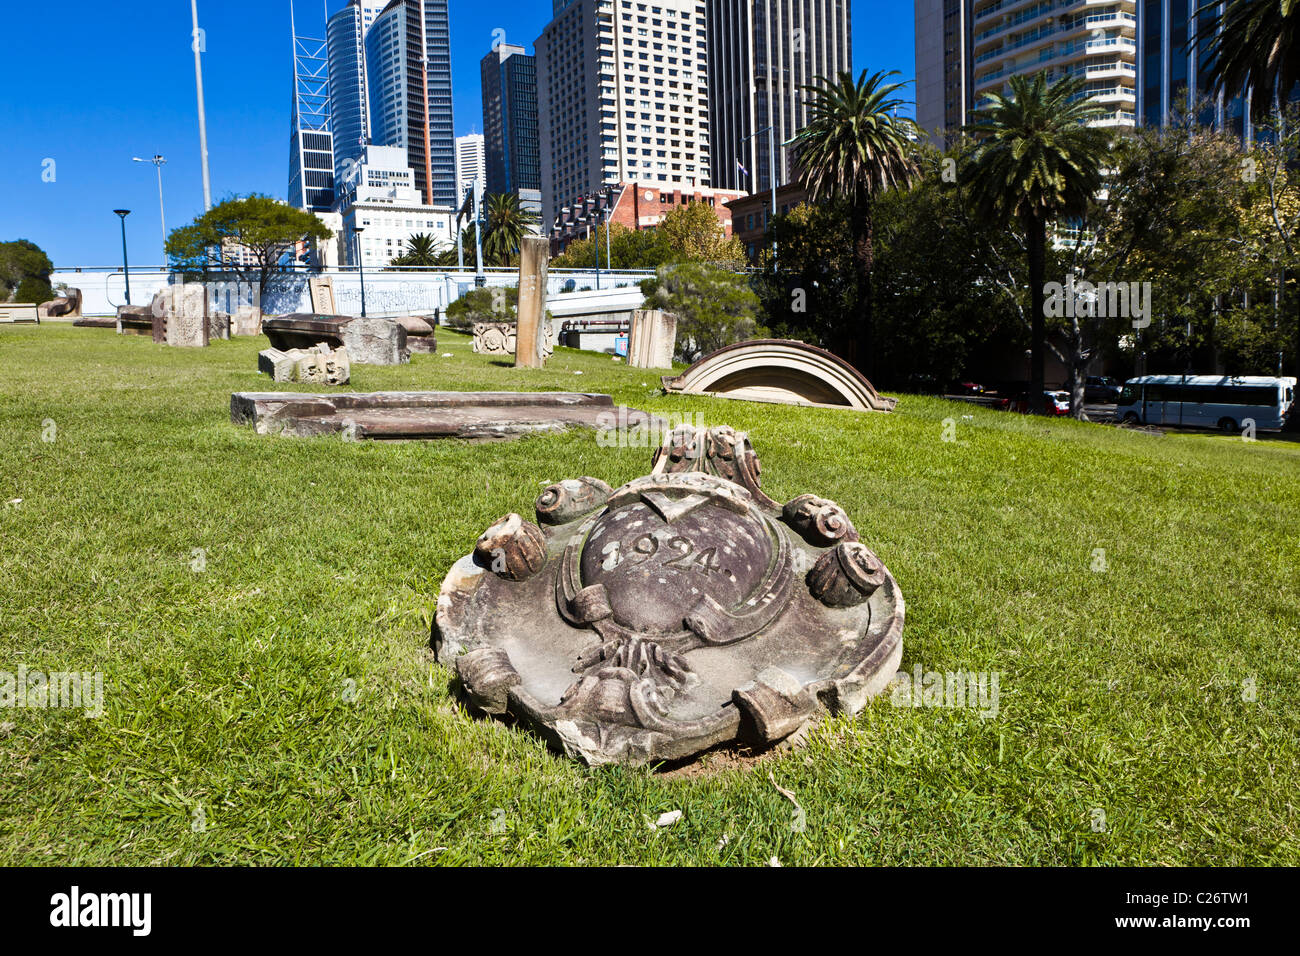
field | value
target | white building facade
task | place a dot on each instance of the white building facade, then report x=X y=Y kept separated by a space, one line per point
x=623 y=96
x=471 y=164
x=380 y=196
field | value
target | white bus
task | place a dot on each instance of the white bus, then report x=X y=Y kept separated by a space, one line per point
x=1207 y=401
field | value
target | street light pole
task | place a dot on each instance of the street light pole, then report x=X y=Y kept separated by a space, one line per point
x=203 y=117
x=480 y=280
x=126 y=268
x=159 y=162
x=361 y=264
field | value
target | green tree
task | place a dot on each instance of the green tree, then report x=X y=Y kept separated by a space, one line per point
x=421 y=250
x=507 y=222
x=1035 y=161
x=941 y=311
x=1177 y=215
x=1256 y=50
x=854 y=148
x=809 y=294
x=264 y=227
x=693 y=232
x=24 y=272
x=627 y=249
x=714 y=307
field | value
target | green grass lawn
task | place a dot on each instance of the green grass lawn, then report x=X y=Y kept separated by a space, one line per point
x=231 y=734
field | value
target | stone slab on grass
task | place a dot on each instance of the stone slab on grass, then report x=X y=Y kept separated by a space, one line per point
x=428 y=415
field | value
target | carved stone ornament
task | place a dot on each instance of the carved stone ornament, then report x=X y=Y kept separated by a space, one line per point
x=679 y=612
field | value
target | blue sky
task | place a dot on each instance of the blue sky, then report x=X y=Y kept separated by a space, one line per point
x=85 y=86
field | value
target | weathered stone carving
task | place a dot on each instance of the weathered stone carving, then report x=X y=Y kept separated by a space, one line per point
x=247 y=320
x=420 y=334
x=499 y=338
x=782 y=371
x=683 y=610
x=720 y=451
x=320 y=365
x=821 y=522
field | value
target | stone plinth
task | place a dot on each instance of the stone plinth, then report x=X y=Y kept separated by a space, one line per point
x=652 y=340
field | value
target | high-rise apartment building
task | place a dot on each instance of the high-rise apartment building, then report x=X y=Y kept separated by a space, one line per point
x=761 y=55
x=408 y=70
x=966 y=49
x=349 y=110
x=623 y=96
x=470 y=165
x=510 y=131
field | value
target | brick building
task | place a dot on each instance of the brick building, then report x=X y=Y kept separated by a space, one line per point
x=636 y=206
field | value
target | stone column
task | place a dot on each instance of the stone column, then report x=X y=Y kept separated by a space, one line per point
x=534 y=257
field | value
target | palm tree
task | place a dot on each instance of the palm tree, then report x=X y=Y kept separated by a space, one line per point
x=421 y=250
x=853 y=148
x=1034 y=160
x=1256 y=49
x=507 y=224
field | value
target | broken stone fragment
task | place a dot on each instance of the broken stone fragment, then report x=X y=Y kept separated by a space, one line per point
x=777 y=704
x=487 y=675
x=512 y=548
x=847 y=575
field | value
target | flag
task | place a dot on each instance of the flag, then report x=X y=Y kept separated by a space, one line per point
x=742 y=168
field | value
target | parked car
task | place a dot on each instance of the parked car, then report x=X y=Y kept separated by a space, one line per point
x=967 y=388
x=1102 y=390
x=1058 y=403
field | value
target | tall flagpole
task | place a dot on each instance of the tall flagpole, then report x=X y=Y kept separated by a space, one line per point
x=203 y=118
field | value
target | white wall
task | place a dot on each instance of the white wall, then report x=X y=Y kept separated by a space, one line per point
x=387 y=293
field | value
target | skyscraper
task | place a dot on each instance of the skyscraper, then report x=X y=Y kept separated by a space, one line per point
x=1174 y=64
x=510 y=123
x=761 y=54
x=469 y=165
x=966 y=49
x=442 y=129
x=408 y=69
x=311 y=148
x=349 y=111
x=623 y=87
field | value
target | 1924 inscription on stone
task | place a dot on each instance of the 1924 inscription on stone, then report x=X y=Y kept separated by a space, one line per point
x=682 y=611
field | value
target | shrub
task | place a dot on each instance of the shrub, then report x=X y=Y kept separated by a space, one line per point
x=714 y=307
